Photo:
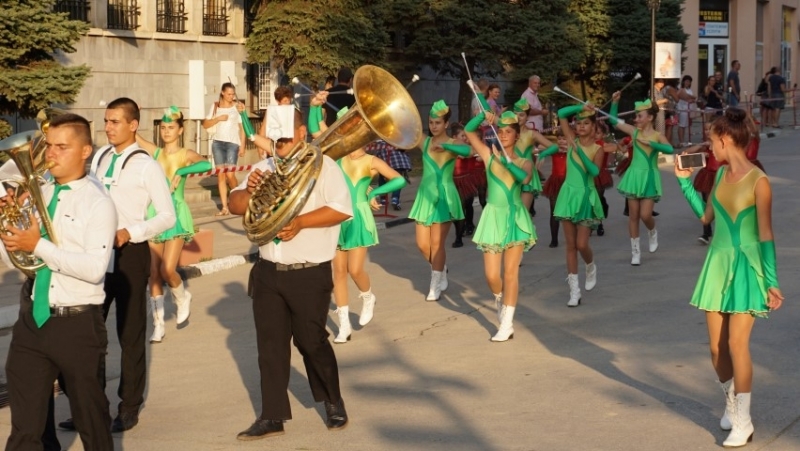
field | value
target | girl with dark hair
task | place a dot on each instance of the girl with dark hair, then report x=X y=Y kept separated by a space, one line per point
x=641 y=184
x=578 y=205
x=739 y=280
x=437 y=203
x=165 y=249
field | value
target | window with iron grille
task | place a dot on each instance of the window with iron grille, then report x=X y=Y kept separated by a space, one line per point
x=123 y=14
x=77 y=9
x=215 y=18
x=250 y=13
x=263 y=85
x=170 y=16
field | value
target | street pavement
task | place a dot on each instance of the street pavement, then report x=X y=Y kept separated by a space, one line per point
x=627 y=370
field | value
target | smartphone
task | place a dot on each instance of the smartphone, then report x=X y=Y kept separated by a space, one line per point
x=691 y=160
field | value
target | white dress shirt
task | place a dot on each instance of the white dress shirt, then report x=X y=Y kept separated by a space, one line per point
x=312 y=245
x=84 y=225
x=535 y=104
x=132 y=190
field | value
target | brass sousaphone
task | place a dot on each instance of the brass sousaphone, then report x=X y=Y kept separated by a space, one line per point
x=383 y=110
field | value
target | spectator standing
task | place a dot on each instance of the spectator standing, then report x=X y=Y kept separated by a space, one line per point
x=340 y=100
x=776 y=89
x=734 y=88
x=227 y=141
x=536 y=113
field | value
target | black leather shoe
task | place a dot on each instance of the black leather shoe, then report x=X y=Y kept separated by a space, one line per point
x=262 y=429
x=600 y=230
x=67 y=425
x=124 y=422
x=396 y=207
x=554 y=244
x=655 y=213
x=458 y=243
x=337 y=417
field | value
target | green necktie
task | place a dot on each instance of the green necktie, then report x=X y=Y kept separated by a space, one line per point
x=110 y=170
x=41 y=290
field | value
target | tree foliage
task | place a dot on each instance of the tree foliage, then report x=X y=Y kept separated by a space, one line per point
x=313 y=39
x=32 y=38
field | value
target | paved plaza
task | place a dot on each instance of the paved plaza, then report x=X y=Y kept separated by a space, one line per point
x=627 y=370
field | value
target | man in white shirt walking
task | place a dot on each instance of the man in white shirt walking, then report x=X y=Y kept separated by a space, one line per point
x=61 y=327
x=291 y=287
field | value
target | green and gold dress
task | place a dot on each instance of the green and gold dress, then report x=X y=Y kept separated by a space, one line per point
x=360 y=230
x=578 y=201
x=437 y=199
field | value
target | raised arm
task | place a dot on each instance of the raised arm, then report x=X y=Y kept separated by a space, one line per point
x=148 y=146
x=471 y=130
x=618 y=123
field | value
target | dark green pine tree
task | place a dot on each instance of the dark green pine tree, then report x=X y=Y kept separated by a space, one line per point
x=33 y=39
x=592 y=74
x=516 y=38
x=629 y=39
x=313 y=39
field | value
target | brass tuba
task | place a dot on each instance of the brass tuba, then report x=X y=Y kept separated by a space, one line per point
x=383 y=110
x=27 y=151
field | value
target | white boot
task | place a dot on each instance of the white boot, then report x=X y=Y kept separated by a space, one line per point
x=344 y=325
x=157 y=308
x=367 y=307
x=443 y=281
x=498 y=305
x=436 y=286
x=591 y=276
x=574 y=291
x=742 y=431
x=725 y=421
x=506 y=330
x=183 y=300
x=636 y=253
x=653 y=234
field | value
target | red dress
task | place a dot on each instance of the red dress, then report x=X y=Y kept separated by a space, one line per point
x=463 y=178
x=552 y=186
x=603 y=180
x=704 y=180
x=752 y=153
x=623 y=165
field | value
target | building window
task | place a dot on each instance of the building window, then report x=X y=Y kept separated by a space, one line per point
x=77 y=9
x=250 y=13
x=170 y=16
x=123 y=15
x=215 y=18
x=263 y=84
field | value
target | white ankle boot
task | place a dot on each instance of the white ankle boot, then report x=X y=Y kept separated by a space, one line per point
x=436 y=286
x=742 y=431
x=636 y=252
x=183 y=300
x=653 y=235
x=498 y=305
x=506 y=330
x=443 y=281
x=157 y=308
x=591 y=276
x=574 y=291
x=344 y=325
x=368 y=299
x=730 y=401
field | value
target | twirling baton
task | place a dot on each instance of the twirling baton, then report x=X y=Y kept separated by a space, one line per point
x=559 y=90
x=635 y=77
x=296 y=81
x=472 y=86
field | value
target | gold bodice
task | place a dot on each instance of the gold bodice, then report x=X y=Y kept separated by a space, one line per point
x=171 y=162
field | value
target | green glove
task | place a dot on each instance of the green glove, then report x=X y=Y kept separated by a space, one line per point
x=768 y=263
x=553 y=149
x=588 y=164
x=612 y=115
x=196 y=168
x=517 y=172
x=462 y=150
x=691 y=195
x=314 y=118
x=661 y=147
x=570 y=110
x=475 y=123
x=388 y=187
x=249 y=131
x=483 y=102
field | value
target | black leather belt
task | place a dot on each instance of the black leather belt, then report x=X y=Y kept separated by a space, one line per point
x=294 y=266
x=73 y=310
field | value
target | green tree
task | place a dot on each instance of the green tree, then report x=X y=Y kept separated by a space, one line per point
x=33 y=39
x=515 y=38
x=592 y=73
x=313 y=39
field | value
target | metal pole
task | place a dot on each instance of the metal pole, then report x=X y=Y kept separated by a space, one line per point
x=653 y=6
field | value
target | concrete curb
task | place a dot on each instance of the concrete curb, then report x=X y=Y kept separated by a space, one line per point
x=232 y=261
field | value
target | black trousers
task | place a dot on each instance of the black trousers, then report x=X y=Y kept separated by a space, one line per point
x=127 y=285
x=290 y=304
x=75 y=347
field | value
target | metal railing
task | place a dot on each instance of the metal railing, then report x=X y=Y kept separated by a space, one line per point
x=123 y=14
x=170 y=16
x=215 y=18
x=77 y=9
